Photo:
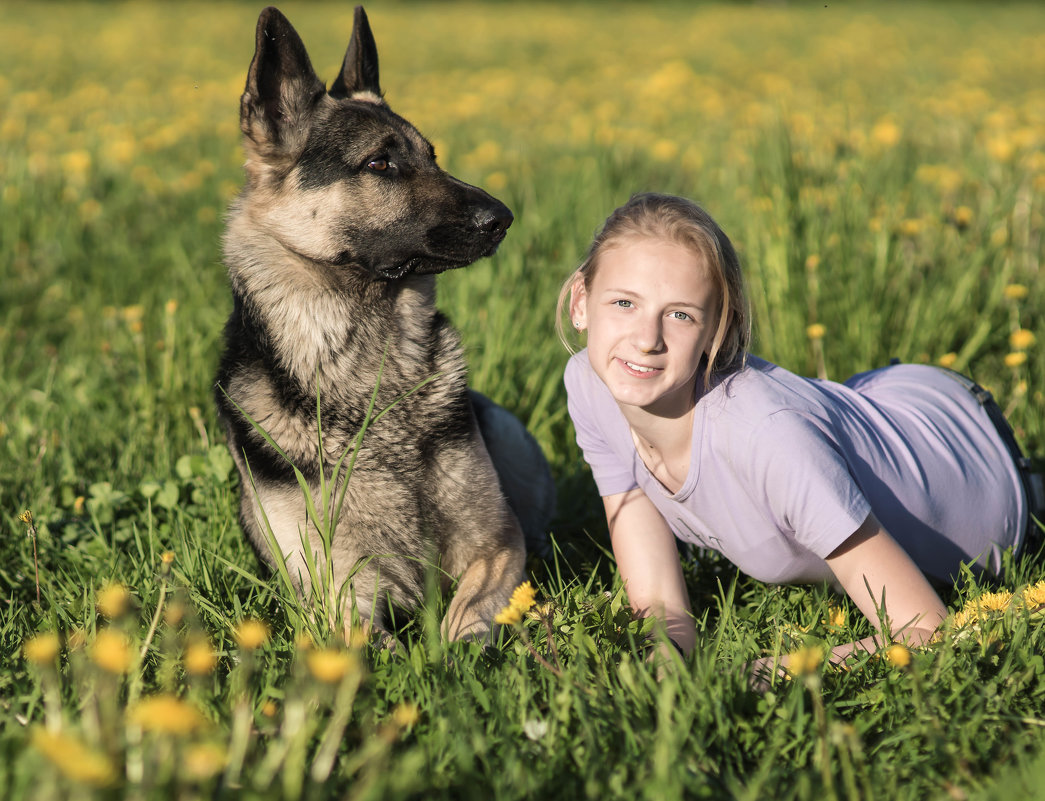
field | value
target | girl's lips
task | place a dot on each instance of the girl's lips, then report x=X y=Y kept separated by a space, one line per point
x=639 y=370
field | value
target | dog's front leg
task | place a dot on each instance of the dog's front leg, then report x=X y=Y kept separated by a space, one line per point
x=482 y=592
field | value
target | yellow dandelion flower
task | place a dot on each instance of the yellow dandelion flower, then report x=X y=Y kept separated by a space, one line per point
x=508 y=616
x=664 y=150
x=269 y=709
x=948 y=359
x=111 y=651
x=203 y=761
x=42 y=649
x=79 y=504
x=804 y=660
x=912 y=226
x=74 y=759
x=886 y=132
x=330 y=665
x=1034 y=595
x=1021 y=339
x=166 y=714
x=406 y=715
x=113 y=600
x=963 y=216
x=132 y=314
x=1015 y=359
x=1016 y=292
x=26 y=517
x=76 y=164
x=816 y=331
x=898 y=655
x=200 y=657
x=812 y=262
x=523 y=597
x=836 y=616
x=251 y=634
x=167 y=557
x=993 y=601
x=965 y=617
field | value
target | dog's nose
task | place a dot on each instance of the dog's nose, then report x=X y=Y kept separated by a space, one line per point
x=494 y=221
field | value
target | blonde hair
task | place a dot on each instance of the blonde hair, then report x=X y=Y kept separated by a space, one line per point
x=684 y=223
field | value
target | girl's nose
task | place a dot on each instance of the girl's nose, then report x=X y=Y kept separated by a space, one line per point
x=648 y=336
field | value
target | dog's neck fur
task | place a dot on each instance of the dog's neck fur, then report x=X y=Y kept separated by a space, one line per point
x=311 y=312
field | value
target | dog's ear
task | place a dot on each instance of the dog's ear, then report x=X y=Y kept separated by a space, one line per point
x=282 y=88
x=359 y=71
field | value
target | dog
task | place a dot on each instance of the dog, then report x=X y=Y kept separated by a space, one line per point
x=332 y=250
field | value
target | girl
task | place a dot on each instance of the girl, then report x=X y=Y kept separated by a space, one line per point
x=877 y=485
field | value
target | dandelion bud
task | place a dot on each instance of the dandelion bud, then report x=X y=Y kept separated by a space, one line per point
x=898 y=655
x=1016 y=292
x=166 y=714
x=251 y=634
x=42 y=649
x=111 y=651
x=74 y=759
x=1021 y=339
x=330 y=666
x=113 y=600
x=200 y=658
x=816 y=331
x=805 y=660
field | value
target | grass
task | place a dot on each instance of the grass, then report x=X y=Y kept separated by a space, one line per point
x=881 y=170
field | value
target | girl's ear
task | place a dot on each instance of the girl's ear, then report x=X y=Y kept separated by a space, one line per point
x=579 y=304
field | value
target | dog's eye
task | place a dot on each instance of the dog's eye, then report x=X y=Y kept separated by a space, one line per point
x=378 y=165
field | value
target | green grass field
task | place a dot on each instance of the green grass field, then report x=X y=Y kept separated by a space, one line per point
x=881 y=169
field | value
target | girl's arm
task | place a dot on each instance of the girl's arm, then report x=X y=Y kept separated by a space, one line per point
x=876 y=572
x=648 y=560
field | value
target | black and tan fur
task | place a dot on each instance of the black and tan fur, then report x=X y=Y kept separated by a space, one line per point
x=332 y=250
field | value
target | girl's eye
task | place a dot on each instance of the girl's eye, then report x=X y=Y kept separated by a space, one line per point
x=680 y=315
x=624 y=304
x=378 y=165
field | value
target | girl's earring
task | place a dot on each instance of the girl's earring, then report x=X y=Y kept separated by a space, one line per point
x=576 y=323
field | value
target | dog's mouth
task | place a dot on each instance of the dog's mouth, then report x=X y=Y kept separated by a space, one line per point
x=430 y=264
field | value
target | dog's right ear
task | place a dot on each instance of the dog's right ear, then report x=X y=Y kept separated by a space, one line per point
x=282 y=88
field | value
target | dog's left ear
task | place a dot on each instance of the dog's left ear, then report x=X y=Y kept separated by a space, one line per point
x=359 y=71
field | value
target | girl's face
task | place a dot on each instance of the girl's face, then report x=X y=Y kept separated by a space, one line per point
x=650 y=314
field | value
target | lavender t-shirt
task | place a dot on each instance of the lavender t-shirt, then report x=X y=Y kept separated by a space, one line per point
x=784 y=469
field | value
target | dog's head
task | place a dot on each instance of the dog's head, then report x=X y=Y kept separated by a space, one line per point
x=339 y=178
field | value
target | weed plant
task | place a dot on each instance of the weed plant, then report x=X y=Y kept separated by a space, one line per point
x=881 y=169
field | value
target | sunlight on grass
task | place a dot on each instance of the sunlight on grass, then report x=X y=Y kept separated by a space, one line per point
x=882 y=171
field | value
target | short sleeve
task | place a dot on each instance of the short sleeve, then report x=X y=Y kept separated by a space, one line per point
x=599 y=426
x=807 y=482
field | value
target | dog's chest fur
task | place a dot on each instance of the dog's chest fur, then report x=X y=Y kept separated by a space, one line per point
x=297 y=330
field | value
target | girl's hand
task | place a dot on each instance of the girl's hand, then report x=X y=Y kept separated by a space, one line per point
x=648 y=561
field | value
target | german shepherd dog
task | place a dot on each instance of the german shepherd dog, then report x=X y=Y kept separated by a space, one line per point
x=332 y=250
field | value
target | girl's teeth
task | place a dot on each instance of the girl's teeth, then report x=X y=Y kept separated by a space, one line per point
x=640 y=368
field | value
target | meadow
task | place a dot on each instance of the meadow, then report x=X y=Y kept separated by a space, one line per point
x=881 y=168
